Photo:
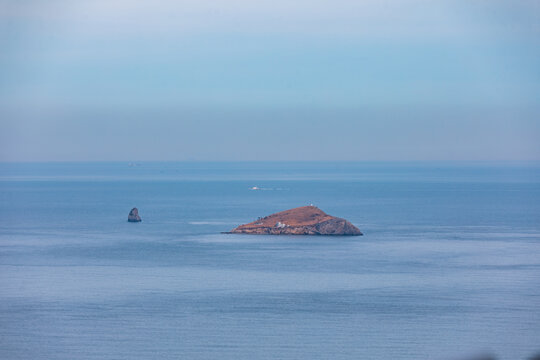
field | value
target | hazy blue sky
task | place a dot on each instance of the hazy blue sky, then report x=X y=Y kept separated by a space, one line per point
x=269 y=80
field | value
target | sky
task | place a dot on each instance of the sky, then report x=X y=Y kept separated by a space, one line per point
x=239 y=80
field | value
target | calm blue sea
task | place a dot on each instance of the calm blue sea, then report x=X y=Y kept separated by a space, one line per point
x=449 y=265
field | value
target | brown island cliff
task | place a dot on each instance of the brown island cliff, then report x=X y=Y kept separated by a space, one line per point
x=305 y=220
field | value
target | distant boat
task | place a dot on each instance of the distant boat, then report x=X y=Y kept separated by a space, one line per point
x=254 y=188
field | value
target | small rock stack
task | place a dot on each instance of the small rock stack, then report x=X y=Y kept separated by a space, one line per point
x=134 y=215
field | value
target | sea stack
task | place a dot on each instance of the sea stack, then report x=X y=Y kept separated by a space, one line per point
x=134 y=215
x=305 y=220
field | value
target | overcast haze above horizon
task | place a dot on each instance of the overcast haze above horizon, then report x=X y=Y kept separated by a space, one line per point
x=269 y=80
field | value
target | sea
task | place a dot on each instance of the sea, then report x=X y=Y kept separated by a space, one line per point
x=448 y=267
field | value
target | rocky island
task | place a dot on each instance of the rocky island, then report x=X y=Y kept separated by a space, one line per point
x=305 y=220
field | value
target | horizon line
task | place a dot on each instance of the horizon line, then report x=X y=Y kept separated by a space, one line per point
x=265 y=161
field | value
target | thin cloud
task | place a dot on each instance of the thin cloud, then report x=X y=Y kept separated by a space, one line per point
x=359 y=19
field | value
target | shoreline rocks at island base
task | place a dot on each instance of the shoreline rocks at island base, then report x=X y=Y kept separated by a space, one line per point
x=134 y=215
x=305 y=220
